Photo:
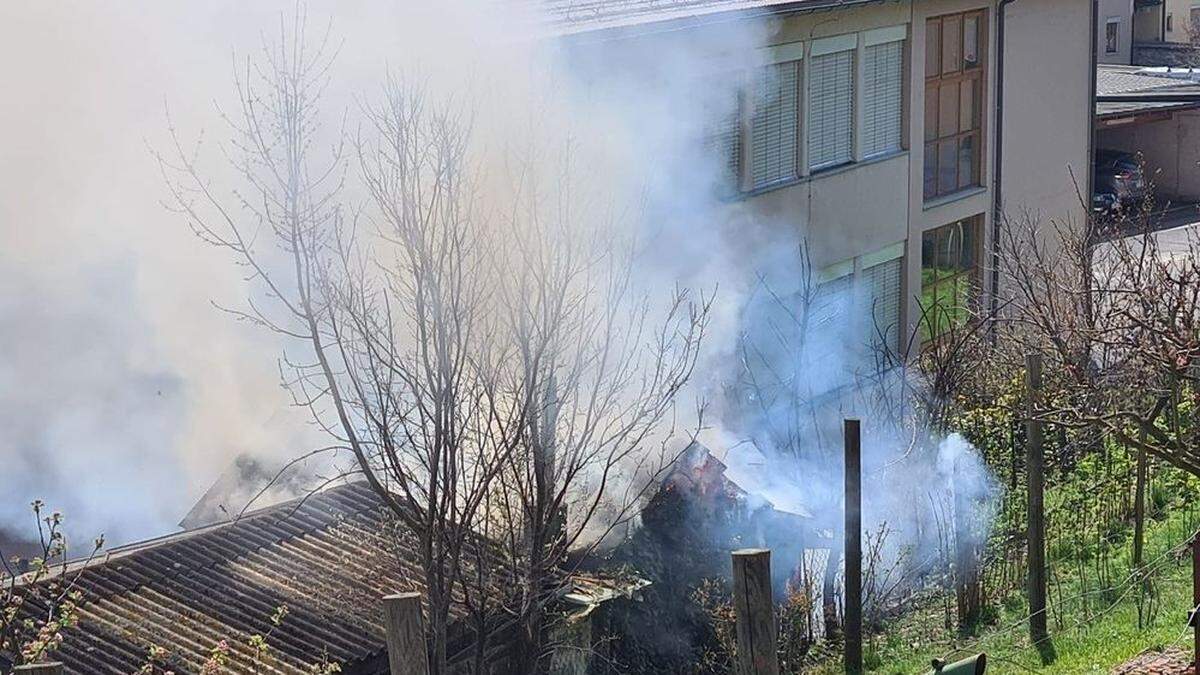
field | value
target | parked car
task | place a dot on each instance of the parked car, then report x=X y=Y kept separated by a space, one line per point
x=1119 y=179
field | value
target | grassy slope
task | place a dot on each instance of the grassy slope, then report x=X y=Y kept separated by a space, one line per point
x=1094 y=642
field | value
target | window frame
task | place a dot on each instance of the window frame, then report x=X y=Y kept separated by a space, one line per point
x=1112 y=45
x=742 y=183
x=809 y=126
x=902 y=108
x=945 y=80
x=970 y=277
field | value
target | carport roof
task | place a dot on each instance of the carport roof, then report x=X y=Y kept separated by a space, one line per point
x=1119 y=88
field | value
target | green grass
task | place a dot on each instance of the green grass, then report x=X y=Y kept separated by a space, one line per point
x=1094 y=641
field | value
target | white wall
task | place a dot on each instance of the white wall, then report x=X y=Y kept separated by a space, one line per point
x=1111 y=9
x=1048 y=107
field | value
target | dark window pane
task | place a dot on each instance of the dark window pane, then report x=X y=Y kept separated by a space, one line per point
x=930 y=170
x=947 y=166
x=929 y=252
x=933 y=48
x=948 y=276
x=948 y=111
x=966 y=161
x=969 y=244
x=970 y=55
x=967 y=108
x=931 y=112
x=949 y=243
x=951 y=44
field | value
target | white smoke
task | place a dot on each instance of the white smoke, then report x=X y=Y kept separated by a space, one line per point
x=124 y=393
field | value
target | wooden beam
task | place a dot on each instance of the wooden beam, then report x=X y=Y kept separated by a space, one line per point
x=754 y=606
x=405 y=634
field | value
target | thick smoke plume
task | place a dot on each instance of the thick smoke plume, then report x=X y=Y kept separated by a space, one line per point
x=125 y=393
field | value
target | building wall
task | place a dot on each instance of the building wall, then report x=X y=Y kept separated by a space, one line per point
x=1047 y=133
x=1047 y=143
x=1179 y=11
x=864 y=208
x=1148 y=24
x=1109 y=10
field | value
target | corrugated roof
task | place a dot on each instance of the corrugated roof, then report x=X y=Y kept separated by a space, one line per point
x=1112 y=80
x=578 y=16
x=1128 y=82
x=328 y=558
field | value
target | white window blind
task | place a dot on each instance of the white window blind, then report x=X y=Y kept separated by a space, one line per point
x=882 y=285
x=775 y=124
x=830 y=303
x=831 y=110
x=883 y=84
x=725 y=138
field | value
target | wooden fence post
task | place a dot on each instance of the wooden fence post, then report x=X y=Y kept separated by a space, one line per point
x=757 y=653
x=51 y=668
x=853 y=534
x=1035 y=472
x=1195 y=618
x=404 y=632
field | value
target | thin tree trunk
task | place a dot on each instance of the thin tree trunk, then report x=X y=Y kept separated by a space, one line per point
x=828 y=586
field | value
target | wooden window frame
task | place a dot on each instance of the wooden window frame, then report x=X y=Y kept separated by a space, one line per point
x=934 y=85
x=972 y=275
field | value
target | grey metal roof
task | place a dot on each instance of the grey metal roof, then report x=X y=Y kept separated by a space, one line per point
x=1112 y=80
x=1117 y=88
x=580 y=16
x=329 y=558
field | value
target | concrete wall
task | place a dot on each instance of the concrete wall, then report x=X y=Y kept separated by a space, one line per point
x=1180 y=13
x=862 y=208
x=1047 y=142
x=1170 y=149
x=1148 y=24
x=1121 y=10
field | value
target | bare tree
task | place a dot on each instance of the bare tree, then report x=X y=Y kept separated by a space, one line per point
x=1115 y=313
x=486 y=372
x=599 y=364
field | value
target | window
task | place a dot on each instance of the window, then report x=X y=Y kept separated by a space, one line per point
x=831 y=110
x=1112 y=35
x=949 y=275
x=953 y=103
x=882 y=282
x=724 y=133
x=775 y=125
x=1170 y=22
x=883 y=98
x=756 y=134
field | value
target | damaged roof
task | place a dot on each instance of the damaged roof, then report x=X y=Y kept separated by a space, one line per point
x=329 y=558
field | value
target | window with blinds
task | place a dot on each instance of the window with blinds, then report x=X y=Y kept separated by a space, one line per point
x=724 y=135
x=883 y=98
x=882 y=286
x=774 y=127
x=831 y=110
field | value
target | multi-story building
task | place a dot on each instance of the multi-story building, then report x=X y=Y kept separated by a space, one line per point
x=1148 y=32
x=895 y=131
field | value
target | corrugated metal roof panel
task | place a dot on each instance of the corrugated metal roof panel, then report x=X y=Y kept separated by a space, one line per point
x=324 y=558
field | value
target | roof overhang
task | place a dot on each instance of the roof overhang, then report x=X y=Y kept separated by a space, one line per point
x=683 y=16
